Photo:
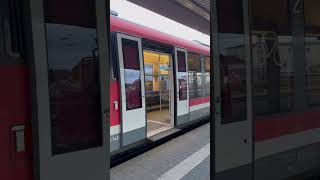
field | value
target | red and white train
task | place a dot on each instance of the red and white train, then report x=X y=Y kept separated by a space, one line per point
x=158 y=82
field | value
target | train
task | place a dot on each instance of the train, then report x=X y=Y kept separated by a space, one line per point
x=174 y=89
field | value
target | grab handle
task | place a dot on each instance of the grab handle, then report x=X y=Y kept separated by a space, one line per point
x=18 y=133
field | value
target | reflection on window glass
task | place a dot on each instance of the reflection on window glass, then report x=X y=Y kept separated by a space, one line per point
x=132 y=74
x=273 y=73
x=312 y=50
x=195 y=75
x=182 y=76
x=207 y=75
x=232 y=61
x=73 y=71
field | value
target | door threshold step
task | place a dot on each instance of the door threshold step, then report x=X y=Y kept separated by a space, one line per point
x=164 y=134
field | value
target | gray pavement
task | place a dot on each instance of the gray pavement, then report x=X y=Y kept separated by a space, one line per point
x=185 y=157
x=201 y=172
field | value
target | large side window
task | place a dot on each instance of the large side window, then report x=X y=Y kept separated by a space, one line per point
x=312 y=47
x=182 y=76
x=232 y=62
x=132 y=75
x=207 y=75
x=73 y=70
x=273 y=72
x=195 y=75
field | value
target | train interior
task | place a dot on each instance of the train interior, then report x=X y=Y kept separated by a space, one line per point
x=158 y=87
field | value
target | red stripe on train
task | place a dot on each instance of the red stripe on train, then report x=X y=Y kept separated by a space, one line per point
x=289 y=123
x=199 y=100
x=114 y=96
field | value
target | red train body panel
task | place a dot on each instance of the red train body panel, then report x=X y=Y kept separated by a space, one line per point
x=15 y=110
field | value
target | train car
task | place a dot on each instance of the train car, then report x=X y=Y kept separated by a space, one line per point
x=269 y=82
x=159 y=83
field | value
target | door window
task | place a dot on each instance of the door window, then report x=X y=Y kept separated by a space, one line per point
x=73 y=72
x=207 y=74
x=132 y=74
x=182 y=76
x=195 y=75
x=233 y=61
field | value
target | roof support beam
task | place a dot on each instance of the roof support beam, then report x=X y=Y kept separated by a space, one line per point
x=183 y=11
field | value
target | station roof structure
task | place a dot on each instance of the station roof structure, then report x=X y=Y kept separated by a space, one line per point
x=192 y=13
x=196 y=13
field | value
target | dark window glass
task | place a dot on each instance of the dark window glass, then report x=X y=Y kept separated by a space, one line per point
x=273 y=72
x=181 y=61
x=73 y=70
x=195 y=75
x=207 y=76
x=312 y=46
x=232 y=61
x=114 y=62
x=182 y=76
x=132 y=74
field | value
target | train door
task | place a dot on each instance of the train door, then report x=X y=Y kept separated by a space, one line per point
x=158 y=86
x=15 y=131
x=182 y=86
x=69 y=86
x=232 y=94
x=132 y=87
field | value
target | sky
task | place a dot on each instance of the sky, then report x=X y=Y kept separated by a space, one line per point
x=139 y=15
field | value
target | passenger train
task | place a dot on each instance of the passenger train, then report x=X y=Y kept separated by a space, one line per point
x=158 y=82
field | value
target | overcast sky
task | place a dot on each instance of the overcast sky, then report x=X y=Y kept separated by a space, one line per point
x=137 y=14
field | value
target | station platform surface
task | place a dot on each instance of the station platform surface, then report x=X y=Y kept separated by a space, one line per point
x=186 y=157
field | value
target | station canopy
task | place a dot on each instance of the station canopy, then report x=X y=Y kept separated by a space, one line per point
x=192 y=13
x=265 y=14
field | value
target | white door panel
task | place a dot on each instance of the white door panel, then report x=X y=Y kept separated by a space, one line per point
x=132 y=91
x=182 y=85
x=234 y=145
x=232 y=81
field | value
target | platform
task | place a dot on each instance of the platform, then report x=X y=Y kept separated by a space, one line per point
x=185 y=157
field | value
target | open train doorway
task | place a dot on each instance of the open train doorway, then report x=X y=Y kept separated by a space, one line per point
x=158 y=87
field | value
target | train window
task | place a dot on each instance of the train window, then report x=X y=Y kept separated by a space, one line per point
x=273 y=73
x=132 y=74
x=11 y=32
x=182 y=75
x=148 y=70
x=232 y=61
x=195 y=75
x=73 y=70
x=312 y=46
x=207 y=75
x=114 y=65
